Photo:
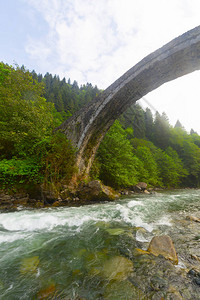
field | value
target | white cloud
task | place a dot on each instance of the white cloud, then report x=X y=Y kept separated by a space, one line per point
x=97 y=41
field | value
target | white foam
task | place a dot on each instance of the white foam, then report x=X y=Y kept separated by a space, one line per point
x=30 y=222
x=134 y=203
x=132 y=218
x=141 y=238
x=164 y=221
x=8 y=238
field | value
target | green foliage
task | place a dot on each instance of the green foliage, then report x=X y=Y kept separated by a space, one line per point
x=59 y=163
x=168 y=169
x=67 y=97
x=29 y=153
x=26 y=117
x=149 y=124
x=140 y=148
x=118 y=166
x=18 y=171
x=134 y=117
x=161 y=131
x=145 y=155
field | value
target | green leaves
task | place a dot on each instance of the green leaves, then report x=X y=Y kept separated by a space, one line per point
x=118 y=166
x=18 y=171
x=29 y=152
x=25 y=116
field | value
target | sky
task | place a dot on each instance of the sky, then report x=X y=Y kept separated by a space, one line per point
x=97 y=41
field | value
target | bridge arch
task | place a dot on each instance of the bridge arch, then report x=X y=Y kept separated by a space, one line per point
x=87 y=127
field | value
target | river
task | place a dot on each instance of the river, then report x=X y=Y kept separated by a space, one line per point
x=91 y=252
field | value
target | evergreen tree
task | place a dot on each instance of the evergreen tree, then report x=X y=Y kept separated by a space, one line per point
x=134 y=117
x=193 y=132
x=179 y=125
x=161 y=131
x=148 y=117
x=167 y=169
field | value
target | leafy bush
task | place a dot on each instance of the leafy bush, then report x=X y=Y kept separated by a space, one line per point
x=18 y=172
x=59 y=163
x=118 y=166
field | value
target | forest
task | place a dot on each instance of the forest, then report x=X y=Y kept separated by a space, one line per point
x=140 y=146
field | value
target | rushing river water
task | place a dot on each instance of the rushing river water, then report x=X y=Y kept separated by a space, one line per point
x=77 y=252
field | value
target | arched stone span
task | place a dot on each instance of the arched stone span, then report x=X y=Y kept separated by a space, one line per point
x=87 y=127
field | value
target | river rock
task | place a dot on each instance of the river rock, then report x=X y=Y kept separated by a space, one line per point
x=146 y=192
x=5 y=198
x=47 y=292
x=142 y=185
x=95 y=190
x=163 y=245
x=192 y=218
x=123 y=290
x=117 y=268
x=29 y=265
x=23 y=200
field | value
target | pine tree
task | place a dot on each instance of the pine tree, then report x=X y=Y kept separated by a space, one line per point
x=148 y=117
x=161 y=131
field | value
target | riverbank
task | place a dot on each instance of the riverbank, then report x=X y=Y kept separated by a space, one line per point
x=84 y=194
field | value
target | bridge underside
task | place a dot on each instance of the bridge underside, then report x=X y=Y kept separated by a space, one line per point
x=87 y=127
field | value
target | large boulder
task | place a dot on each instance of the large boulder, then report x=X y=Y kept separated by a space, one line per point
x=140 y=187
x=163 y=245
x=95 y=190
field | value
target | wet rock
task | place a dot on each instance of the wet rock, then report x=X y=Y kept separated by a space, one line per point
x=117 y=268
x=197 y=280
x=141 y=187
x=146 y=192
x=194 y=274
x=163 y=245
x=46 y=292
x=193 y=256
x=142 y=235
x=158 y=296
x=29 y=265
x=115 y=231
x=173 y=294
x=95 y=190
x=5 y=199
x=138 y=251
x=157 y=283
x=192 y=218
x=56 y=204
x=76 y=199
x=21 y=200
x=123 y=290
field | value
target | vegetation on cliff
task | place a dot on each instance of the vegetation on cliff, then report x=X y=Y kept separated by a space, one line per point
x=138 y=147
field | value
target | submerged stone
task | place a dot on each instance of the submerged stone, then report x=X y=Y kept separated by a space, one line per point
x=117 y=268
x=94 y=261
x=123 y=290
x=115 y=231
x=29 y=265
x=46 y=292
x=138 y=251
x=163 y=245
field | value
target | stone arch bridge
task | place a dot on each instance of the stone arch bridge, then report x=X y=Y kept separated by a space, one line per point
x=87 y=127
